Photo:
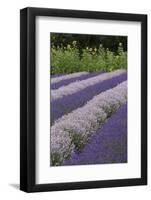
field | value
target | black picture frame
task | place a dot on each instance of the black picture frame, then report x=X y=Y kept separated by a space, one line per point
x=28 y=98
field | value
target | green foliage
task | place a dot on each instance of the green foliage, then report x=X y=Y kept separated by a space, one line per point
x=86 y=40
x=76 y=138
x=68 y=59
x=55 y=159
x=65 y=59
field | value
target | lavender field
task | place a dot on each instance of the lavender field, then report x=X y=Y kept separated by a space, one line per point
x=88 y=118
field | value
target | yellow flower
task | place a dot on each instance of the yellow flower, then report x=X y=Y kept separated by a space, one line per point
x=68 y=46
x=74 y=42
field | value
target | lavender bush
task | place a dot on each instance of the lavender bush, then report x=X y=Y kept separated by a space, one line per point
x=65 y=82
x=73 y=130
x=66 y=104
x=80 y=85
x=56 y=75
x=107 y=145
x=68 y=76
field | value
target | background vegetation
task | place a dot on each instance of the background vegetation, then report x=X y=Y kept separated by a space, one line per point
x=77 y=52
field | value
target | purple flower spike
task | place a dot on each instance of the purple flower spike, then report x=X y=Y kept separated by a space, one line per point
x=71 y=80
x=107 y=145
x=66 y=104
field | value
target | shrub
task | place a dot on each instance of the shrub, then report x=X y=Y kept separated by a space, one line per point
x=67 y=59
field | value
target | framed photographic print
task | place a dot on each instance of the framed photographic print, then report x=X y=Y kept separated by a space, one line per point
x=83 y=99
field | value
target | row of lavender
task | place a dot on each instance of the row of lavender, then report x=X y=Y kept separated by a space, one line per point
x=58 y=81
x=80 y=108
x=74 y=95
x=107 y=145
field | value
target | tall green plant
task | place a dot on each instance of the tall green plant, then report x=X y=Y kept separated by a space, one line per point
x=67 y=59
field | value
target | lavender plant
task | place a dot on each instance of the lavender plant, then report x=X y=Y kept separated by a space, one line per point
x=107 y=145
x=70 y=79
x=80 y=85
x=67 y=103
x=73 y=130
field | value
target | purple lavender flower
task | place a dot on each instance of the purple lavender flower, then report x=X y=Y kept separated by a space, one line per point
x=81 y=85
x=73 y=79
x=73 y=130
x=66 y=104
x=67 y=77
x=56 y=75
x=107 y=145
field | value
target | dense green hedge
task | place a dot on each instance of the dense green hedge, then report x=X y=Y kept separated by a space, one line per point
x=68 y=59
